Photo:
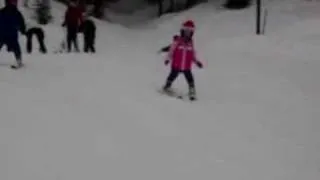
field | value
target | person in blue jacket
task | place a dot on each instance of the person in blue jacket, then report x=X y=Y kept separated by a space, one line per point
x=11 y=22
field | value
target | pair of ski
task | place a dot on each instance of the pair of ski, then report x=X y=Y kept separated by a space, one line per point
x=178 y=95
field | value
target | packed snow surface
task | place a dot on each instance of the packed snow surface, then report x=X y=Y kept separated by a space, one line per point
x=99 y=116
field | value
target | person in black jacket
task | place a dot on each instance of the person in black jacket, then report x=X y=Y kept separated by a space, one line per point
x=88 y=28
x=11 y=22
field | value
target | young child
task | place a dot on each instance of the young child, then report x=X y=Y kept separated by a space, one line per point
x=88 y=28
x=182 y=55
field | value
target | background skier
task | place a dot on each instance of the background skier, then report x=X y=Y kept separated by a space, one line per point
x=11 y=22
x=39 y=33
x=88 y=28
x=73 y=19
x=182 y=55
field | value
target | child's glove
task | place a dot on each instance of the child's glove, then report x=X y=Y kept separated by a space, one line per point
x=199 y=64
x=166 y=62
x=165 y=49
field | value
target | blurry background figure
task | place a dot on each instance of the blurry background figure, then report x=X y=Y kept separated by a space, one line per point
x=88 y=28
x=26 y=3
x=38 y=32
x=73 y=20
x=11 y=23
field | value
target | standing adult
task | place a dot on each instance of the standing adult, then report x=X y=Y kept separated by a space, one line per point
x=11 y=22
x=72 y=21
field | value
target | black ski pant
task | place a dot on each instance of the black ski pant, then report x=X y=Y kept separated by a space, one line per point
x=40 y=36
x=72 y=38
x=13 y=46
x=175 y=73
x=89 y=41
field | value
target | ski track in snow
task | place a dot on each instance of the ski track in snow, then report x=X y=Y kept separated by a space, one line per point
x=80 y=116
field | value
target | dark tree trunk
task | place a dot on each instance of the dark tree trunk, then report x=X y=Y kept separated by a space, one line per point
x=237 y=4
x=191 y=3
x=98 y=8
x=171 y=8
x=160 y=7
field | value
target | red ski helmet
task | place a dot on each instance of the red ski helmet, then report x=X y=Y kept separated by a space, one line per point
x=188 y=25
x=187 y=29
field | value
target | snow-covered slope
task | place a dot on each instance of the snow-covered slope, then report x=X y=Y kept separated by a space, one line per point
x=80 y=117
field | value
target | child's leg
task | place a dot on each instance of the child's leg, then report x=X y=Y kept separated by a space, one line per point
x=69 y=39
x=86 y=43
x=190 y=80
x=89 y=39
x=75 y=42
x=42 y=45
x=172 y=76
x=93 y=49
x=91 y=45
x=15 y=46
x=29 y=42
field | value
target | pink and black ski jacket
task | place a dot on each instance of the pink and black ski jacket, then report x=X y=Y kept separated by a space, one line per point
x=182 y=54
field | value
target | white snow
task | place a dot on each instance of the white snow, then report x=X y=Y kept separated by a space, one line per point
x=97 y=117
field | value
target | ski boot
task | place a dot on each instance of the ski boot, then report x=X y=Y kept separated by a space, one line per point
x=18 y=65
x=192 y=93
x=167 y=89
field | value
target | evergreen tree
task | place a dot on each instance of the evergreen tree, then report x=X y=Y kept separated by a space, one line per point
x=237 y=4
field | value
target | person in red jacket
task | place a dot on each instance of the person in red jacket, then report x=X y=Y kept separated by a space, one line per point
x=73 y=19
x=182 y=55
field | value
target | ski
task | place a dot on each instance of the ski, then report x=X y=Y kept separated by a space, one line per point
x=16 y=66
x=177 y=95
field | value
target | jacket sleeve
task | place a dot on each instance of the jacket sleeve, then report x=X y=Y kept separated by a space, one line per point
x=22 y=23
x=172 y=47
x=171 y=51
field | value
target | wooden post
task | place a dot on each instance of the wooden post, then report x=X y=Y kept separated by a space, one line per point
x=258 y=30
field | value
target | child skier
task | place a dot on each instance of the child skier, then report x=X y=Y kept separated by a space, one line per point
x=182 y=55
x=88 y=28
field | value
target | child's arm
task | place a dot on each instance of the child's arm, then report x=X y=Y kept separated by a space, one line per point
x=172 y=47
x=195 y=59
x=165 y=49
x=170 y=52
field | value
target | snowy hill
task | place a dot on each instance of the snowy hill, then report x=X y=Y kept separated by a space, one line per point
x=80 y=117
